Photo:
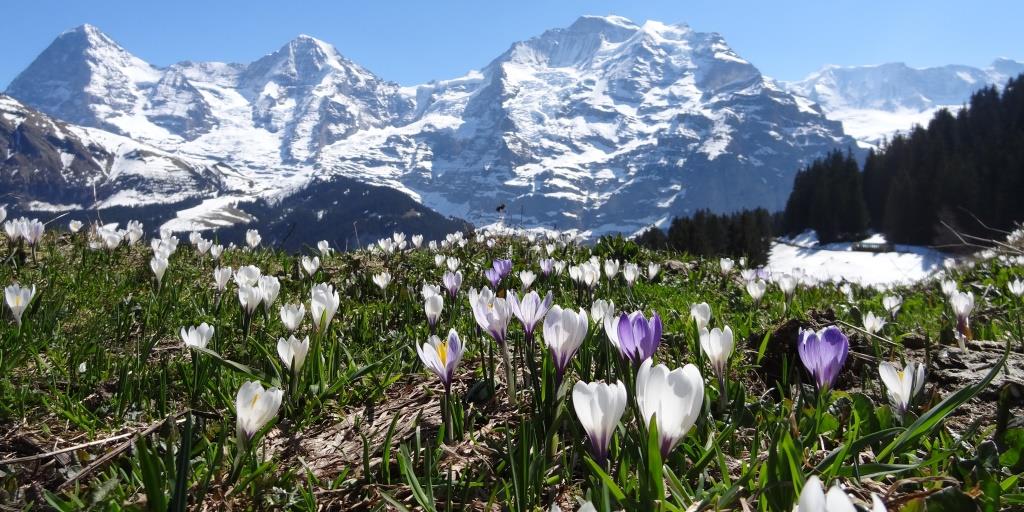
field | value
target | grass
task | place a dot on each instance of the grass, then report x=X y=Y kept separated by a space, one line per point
x=98 y=362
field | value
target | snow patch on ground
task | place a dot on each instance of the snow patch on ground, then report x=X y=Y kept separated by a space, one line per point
x=839 y=262
x=210 y=214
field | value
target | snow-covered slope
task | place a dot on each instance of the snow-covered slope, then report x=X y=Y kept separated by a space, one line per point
x=49 y=165
x=905 y=264
x=876 y=101
x=602 y=126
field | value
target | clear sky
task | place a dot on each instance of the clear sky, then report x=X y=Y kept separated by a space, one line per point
x=412 y=42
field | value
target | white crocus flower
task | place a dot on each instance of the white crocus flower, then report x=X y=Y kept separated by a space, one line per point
x=611 y=268
x=1016 y=287
x=527 y=278
x=873 y=324
x=674 y=397
x=252 y=238
x=590 y=274
x=560 y=267
x=324 y=247
x=564 y=331
x=221 y=276
x=787 y=284
x=948 y=287
x=717 y=345
x=18 y=299
x=249 y=297
x=270 y=288
x=382 y=280
x=293 y=352
x=814 y=499
x=159 y=266
x=492 y=314
x=248 y=275
x=892 y=304
x=75 y=226
x=432 y=306
x=701 y=314
x=652 y=270
x=417 y=241
x=292 y=315
x=197 y=336
x=203 y=246
x=255 y=407
x=726 y=265
x=611 y=329
x=902 y=385
x=215 y=251
x=310 y=265
x=429 y=290
x=323 y=305
x=599 y=407
x=963 y=304
x=599 y=310
x=452 y=263
x=630 y=272
x=756 y=290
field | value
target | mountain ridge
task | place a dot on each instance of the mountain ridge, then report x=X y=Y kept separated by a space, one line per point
x=874 y=101
x=605 y=125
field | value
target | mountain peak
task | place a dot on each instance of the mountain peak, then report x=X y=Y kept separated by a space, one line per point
x=87 y=36
x=590 y=21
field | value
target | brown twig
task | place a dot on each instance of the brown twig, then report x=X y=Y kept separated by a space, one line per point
x=46 y=455
x=106 y=457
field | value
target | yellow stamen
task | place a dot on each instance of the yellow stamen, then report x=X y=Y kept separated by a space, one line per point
x=442 y=352
x=255 y=398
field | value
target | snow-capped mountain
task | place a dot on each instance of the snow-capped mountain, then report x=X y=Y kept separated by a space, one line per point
x=602 y=126
x=50 y=165
x=875 y=101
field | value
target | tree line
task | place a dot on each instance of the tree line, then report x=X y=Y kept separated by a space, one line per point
x=746 y=233
x=963 y=173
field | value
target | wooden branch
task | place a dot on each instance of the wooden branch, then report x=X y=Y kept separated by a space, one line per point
x=106 y=457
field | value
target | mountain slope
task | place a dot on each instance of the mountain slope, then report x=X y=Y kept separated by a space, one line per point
x=875 y=101
x=48 y=164
x=602 y=126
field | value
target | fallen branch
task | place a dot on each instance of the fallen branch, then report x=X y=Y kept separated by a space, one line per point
x=106 y=457
x=47 y=455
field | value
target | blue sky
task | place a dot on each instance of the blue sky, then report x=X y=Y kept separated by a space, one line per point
x=415 y=41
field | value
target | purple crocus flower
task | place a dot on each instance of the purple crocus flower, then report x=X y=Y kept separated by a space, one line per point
x=452 y=282
x=530 y=310
x=639 y=337
x=504 y=267
x=547 y=265
x=823 y=353
x=494 y=276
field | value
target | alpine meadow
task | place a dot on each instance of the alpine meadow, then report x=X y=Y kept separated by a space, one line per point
x=616 y=267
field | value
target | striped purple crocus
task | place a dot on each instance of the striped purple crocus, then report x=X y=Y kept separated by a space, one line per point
x=504 y=267
x=823 y=353
x=547 y=266
x=638 y=337
x=493 y=276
